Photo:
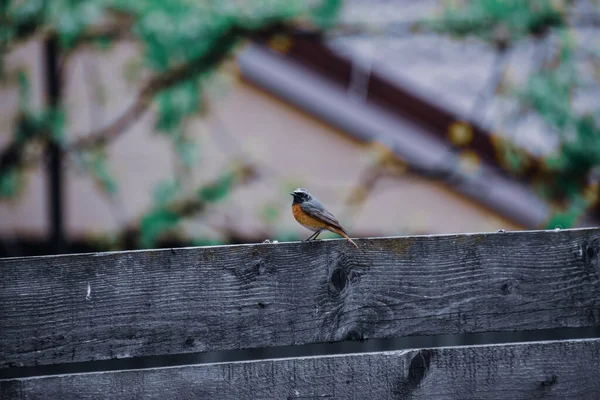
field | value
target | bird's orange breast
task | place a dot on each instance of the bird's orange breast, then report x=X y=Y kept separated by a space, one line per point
x=306 y=220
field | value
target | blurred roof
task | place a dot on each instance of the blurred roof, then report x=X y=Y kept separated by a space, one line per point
x=459 y=75
x=362 y=84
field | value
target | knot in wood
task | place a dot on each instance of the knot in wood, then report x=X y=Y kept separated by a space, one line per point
x=354 y=335
x=342 y=274
x=549 y=382
x=248 y=274
x=588 y=253
x=338 y=280
x=418 y=368
x=509 y=286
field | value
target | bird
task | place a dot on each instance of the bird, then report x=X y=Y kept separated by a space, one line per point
x=311 y=214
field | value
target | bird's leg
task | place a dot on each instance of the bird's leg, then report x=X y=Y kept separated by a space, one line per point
x=313 y=236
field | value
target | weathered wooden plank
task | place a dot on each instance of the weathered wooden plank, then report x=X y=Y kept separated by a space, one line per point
x=111 y=305
x=565 y=370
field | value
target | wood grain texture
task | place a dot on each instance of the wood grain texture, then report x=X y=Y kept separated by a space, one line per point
x=549 y=370
x=125 y=304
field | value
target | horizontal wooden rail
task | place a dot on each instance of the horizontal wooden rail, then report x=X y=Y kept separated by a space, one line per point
x=78 y=308
x=564 y=369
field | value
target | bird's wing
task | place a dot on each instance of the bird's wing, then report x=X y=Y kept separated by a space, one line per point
x=316 y=210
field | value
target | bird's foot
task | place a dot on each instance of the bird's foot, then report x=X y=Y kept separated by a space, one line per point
x=312 y=240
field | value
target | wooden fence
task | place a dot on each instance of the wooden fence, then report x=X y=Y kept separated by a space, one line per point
x=74 y=312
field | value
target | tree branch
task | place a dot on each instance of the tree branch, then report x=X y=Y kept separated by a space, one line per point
x=154 y=86
x=164 y=218
x=207 y=61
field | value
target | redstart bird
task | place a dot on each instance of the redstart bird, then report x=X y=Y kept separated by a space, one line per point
x=312 y=215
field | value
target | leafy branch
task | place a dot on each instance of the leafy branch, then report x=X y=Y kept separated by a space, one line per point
x=500 y=21
x=157 y=84
x=169 y=209
x=549 y=92
x=180 y=64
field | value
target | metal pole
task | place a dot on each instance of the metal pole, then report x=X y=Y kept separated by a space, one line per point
x=54 y=153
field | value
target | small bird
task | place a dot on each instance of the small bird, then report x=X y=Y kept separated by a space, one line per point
x=312 y=215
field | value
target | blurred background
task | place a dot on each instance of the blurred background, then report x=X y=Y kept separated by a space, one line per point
x=139 y=124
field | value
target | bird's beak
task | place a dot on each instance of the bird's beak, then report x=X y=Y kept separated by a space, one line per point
x=292 y=193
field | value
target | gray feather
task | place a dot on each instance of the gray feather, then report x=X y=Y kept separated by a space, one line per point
x=315 y=209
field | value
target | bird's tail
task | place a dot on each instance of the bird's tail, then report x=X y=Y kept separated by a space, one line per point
x=342 y=232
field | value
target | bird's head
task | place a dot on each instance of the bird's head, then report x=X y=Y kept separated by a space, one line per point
x=300 y=195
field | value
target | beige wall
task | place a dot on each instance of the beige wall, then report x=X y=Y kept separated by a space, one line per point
x=293 y=149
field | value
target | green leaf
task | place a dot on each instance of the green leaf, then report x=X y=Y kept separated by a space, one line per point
x=27 y=127
x=10 y=182
x=55 y=121
x=481 y=18
x=47 y=123
x=218 y=190
x=68 y=27
x=101 y=173
x=24 y=91
x=325 y=15
x=103 y=43
x=175 y=104
x=165 y=191
x=155 y=224
x=568 y=218
x=71 y=17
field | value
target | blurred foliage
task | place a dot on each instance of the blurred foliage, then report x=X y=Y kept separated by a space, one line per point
x=270 y=213
x=156 y=223
x=499 y=20
x=175 y=104
x=219 y=189
x=95 y=163
x=324 y=15
x=206 y=242
x=186 y=41
x=10 y=182
x=30 y=125
x=568 y=217
x=549 y=92
x=171 y=33
x=170 y=207
x=165 y=191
